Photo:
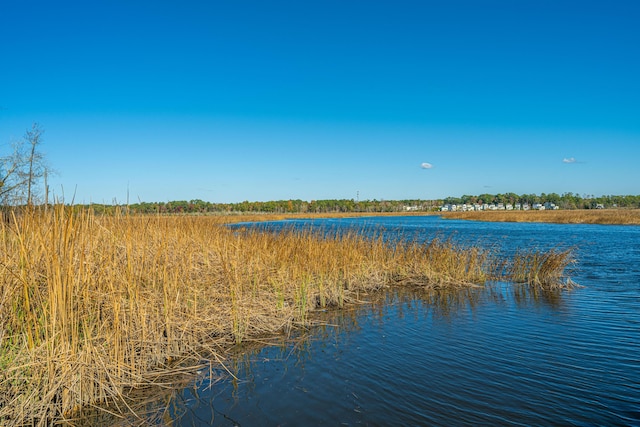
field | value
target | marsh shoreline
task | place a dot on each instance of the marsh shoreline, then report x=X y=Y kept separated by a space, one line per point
x=574 y=216
x=591 y=216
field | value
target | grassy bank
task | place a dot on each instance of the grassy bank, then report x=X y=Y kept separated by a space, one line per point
x=591 y=216
x=94 y=307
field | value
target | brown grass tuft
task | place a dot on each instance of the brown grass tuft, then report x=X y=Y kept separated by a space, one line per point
x=540 y=269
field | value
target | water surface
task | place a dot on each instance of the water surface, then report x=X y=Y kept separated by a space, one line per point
x=502 y=355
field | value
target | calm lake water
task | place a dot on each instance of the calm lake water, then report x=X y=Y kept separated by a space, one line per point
x=496 y=356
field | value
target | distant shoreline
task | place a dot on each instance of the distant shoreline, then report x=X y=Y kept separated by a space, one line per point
x=582 y=216
x=574 y=216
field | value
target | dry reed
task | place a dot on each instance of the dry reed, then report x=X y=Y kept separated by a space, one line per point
x=92 y=307
x=589 y=216
x=540 y=269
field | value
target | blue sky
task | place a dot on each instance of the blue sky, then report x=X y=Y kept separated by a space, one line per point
x=264 y=100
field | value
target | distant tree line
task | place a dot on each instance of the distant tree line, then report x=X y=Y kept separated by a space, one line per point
x=564 y=201
x=283 y=206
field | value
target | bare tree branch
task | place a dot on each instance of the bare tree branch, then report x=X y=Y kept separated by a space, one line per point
x=22 y=170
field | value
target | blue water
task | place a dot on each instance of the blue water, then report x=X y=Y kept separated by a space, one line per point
x=497 y=356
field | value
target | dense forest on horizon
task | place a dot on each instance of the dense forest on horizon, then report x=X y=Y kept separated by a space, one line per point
x=564 y=201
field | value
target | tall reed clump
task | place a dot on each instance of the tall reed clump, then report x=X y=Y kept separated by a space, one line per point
x=93 y=307
x=541 y=269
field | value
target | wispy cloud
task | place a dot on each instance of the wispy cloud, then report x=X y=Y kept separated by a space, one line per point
x=569 y=160
x=426 y=165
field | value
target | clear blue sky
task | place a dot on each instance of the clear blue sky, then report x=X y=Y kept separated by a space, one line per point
x=227 y=101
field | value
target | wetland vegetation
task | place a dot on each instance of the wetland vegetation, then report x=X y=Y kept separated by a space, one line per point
x=591 y=216
x=96 y=307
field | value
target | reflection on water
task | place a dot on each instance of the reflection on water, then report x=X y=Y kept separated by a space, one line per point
x=213 y=403
x=342 y=355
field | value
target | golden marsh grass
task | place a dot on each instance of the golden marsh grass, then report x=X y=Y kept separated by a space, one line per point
x=93 y=307
x=591 y=216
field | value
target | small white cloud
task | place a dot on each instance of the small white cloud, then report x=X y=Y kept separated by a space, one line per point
x=569 y=160
x=426 y=165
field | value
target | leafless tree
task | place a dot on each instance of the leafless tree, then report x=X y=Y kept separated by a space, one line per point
x=10 y=179
x=21 y=171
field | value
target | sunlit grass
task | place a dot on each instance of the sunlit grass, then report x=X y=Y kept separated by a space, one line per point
x=582 y=216
x=541 y=269
x=92 y=307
